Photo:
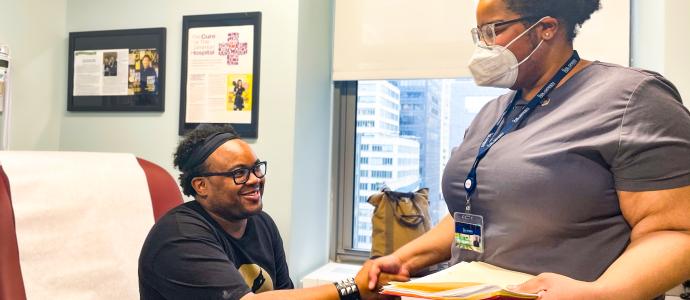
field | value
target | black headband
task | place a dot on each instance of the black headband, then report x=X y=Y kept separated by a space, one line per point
x=211 y=143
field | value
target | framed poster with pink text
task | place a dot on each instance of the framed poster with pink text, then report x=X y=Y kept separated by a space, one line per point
x=220 y=71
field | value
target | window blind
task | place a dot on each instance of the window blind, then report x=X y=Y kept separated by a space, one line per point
x=404 y=39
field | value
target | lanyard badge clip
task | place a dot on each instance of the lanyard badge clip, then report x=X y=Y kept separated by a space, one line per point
x=468 y=204
x=469 y=228
x=469 y=189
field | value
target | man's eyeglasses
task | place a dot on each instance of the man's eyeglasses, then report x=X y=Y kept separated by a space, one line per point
x=485 y=35
x=241 y=175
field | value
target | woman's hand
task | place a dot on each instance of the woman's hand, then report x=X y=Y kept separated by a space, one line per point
x=390 y=264
x=364 y=278
x=550 y=286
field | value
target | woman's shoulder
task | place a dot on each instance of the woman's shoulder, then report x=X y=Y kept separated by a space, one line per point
x=614 y=73
x=614 y=80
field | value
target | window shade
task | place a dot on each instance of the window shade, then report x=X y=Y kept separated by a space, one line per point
x=404 y=39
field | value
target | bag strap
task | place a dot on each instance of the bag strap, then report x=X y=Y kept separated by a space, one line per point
x=411 y=220
x=390 y=219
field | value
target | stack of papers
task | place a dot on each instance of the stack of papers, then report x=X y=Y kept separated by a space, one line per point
x=463 y=281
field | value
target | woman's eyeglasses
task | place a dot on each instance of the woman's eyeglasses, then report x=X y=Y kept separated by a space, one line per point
x=485 y=35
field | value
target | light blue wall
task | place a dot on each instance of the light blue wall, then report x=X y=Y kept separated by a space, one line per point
x=659 y=40
x=311 y=174
x=35 y=32
x=677 y=52
x=647 y=44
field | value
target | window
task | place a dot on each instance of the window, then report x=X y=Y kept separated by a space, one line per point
x=417 y=125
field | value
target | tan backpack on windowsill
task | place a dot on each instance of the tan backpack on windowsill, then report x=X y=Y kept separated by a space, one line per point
x=397 y=219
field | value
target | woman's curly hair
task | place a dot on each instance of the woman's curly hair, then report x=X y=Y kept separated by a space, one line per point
x=189 y=143
x=573 y=12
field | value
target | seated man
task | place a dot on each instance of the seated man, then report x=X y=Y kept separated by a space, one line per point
x=221 y=245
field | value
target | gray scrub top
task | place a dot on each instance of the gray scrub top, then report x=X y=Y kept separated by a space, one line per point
x=547 y=191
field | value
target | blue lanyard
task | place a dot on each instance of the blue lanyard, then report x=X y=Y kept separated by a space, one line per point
x=507 y=126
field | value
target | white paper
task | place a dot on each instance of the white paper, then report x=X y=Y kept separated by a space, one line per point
x=87 y=73
x=479 y=272
x=101 y=72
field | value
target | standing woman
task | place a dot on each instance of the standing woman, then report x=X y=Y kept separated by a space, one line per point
x=239 y=100
x=581 y=174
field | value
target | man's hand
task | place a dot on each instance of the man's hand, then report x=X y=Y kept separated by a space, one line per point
x=550 y=286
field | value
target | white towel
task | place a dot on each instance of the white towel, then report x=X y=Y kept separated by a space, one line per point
x=81 y=219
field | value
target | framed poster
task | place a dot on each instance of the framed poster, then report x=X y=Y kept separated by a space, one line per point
x=220 y=71
x=117 y=70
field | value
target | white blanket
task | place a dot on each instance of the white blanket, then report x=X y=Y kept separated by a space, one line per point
x=81 y=219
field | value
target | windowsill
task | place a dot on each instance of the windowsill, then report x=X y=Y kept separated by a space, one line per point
x=329 y=273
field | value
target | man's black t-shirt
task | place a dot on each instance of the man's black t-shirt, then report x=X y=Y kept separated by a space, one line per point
x=187 y=255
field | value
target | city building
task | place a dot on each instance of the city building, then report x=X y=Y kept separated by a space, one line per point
x=420 y=117
x=383 y=157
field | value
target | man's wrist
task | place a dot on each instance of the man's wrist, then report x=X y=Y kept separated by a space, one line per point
x=347 y=289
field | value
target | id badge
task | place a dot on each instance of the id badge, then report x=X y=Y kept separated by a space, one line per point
x=469 y=230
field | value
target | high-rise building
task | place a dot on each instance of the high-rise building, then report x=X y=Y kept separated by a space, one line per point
x=420 y=117
x=382 y=156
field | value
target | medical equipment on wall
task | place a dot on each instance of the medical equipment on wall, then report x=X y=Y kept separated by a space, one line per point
x=5 y=94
